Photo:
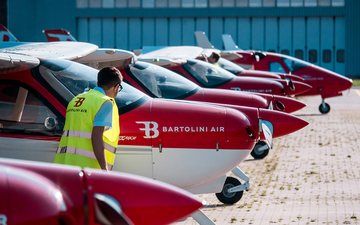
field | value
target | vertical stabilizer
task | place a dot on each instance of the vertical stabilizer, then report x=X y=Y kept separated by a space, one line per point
x=6 y=35
x=202 y=40
x=229 y=43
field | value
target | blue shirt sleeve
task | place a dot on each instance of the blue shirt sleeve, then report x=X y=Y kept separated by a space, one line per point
x=103 y=117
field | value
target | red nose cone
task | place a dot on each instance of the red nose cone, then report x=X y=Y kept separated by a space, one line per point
x=283 y=123
x=291 y=104
x=299 y=88
x=144 y=201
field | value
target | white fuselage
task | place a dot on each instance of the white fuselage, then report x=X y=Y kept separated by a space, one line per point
x=196 y=170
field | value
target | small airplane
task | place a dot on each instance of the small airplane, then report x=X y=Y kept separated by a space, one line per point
x=209 y=73
x=280 y=103
x=162 y=83
x=34 y=94
x=324 y=82
x=49 y=194
x=245 y=84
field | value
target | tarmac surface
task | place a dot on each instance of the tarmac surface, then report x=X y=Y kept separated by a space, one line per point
x=309 y=177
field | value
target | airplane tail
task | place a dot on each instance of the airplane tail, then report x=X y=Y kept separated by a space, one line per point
x=58 y=35
x=229 y=43
x=6 y=35
x=202 y=40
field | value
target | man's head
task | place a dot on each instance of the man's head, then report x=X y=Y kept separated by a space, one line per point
x=214 y=57
x=109 y=79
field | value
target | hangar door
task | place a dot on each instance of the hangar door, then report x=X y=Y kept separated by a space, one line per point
x=319 y=40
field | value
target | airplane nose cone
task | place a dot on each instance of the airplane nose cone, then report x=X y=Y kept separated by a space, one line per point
x=283 y=123
x=290 y=104
x=144 y=201
x=299 y=88
x=347 y=83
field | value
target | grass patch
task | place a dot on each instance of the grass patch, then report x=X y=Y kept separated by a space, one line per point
x=356 y=82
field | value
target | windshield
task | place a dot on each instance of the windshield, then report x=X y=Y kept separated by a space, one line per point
x=230 y=66
x=77 y=78
x=161 y=82
x=207 y=74
x=294 y=64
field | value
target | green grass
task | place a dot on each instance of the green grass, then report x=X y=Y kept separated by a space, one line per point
x=356 y=82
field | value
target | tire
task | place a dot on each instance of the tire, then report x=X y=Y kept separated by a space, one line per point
x=260 y=154
x=324 y=108
x=230 y=198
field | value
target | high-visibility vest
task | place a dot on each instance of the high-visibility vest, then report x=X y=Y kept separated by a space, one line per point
x=75 y=146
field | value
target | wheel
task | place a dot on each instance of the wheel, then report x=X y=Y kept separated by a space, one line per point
x=324 y=108
x=260 y=150
x=230 y=198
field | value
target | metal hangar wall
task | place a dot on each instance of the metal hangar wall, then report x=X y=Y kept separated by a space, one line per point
x=324 y=32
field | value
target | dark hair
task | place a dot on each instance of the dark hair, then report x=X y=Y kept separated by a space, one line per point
x=215 y=56
x=108 y=77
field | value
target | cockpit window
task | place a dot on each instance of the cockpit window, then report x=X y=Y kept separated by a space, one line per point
x=276 y=67
x=161 y=82
x=294 y=64
x=73 y=78
x=207 y=74
x=230 y=66
x=21 y=111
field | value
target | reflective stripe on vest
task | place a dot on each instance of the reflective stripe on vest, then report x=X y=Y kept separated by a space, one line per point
x=82 y=152
x=84 y=134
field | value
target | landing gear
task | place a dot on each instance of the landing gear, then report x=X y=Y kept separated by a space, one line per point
x=260 y=150
x=324 y=107
x=233 y=189
x=227 y=197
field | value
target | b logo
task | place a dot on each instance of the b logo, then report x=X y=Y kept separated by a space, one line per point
x=151 y=129
x=79 y=101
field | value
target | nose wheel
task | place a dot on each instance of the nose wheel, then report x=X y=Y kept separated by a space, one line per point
x=233 y=189
x=324 y=107
x=229 y=197
x=260 y=150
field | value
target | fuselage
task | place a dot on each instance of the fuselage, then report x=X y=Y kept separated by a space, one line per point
x=324 y=82
x=157 y=137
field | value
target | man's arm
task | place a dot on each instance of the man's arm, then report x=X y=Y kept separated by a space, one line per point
x=98 y=146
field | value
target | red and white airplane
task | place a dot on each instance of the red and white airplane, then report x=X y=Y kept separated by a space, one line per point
x=34 y=94
x=324 y=82
x=35 y=193
x=100 y=58
x=248 y=84
x=161 y=83
x=150 y=146
x=209 y=75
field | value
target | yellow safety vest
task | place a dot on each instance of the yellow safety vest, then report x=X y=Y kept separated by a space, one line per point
x=75 y=147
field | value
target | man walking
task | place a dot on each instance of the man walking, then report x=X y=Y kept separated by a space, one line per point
x=92 y=129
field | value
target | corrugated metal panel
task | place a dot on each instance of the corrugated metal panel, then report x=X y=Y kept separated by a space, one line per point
x=312 y=39
x=339 y=40
x=244 y=32
x=121 y=33
x=134 y=31
x=175 y=33
x=257 y=33
x=327 y=43
x=299 y=37
x=271 y=34
x=285 y=35
x=148 y=31
x=216 y=29
x=108 y=33
x=188 y=29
